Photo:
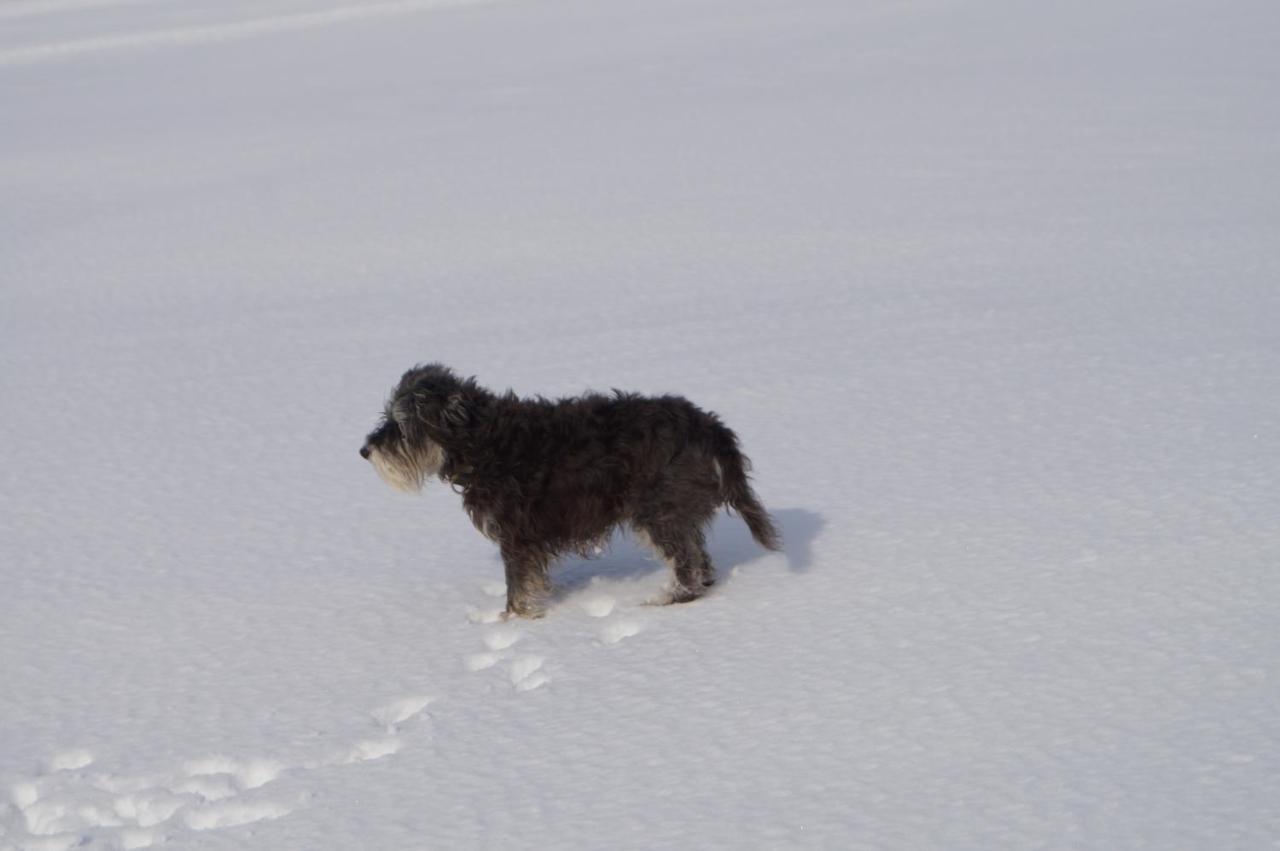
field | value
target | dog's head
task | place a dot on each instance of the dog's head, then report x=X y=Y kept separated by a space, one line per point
x=426 y=418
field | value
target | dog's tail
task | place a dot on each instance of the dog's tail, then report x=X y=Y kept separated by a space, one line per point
x=735 y=488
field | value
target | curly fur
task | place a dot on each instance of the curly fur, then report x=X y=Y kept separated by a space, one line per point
x=542 y=478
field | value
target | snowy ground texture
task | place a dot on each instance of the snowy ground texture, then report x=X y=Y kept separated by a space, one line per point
x=989 y=289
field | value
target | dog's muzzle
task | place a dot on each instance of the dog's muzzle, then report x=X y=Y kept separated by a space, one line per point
x=364 y=452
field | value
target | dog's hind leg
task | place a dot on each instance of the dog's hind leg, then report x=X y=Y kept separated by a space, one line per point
x=680 y=548
x=706 y=570
x=527 y=580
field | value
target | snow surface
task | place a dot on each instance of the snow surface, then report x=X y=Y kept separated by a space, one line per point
x=989 y=290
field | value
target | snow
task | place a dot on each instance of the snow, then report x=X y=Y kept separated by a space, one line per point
x=988 y=290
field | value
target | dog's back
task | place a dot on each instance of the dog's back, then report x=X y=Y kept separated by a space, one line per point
x=575 y=468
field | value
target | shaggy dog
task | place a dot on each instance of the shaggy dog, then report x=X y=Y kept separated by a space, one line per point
x=543 y=478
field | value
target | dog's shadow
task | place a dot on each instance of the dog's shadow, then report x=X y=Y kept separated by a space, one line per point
x=729 y=543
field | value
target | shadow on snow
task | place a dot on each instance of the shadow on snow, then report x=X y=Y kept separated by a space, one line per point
x=729 y=543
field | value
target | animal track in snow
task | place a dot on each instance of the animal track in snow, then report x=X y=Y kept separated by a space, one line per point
x=233 y=814
x=481 y=661
x=24 y=795
x=59 y=813
x=65 y=842
x=133 y=838
x=66 y=806
x=498 y=638
x=524 y=670
x=501 y=639
x=392 y=715
x=615 y=632
x=532 y=681
x=598 y=607
x=250 y=774
x=484 y=615
x=210 y=787
x=152 y=807
x=118 y=785
x=71 y=760
x=372 y=749
x=526 y=673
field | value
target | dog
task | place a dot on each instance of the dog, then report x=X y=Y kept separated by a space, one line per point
x=544 y=478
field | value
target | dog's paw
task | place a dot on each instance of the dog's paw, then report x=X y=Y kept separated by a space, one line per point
x=528 y=614
x=678 y=594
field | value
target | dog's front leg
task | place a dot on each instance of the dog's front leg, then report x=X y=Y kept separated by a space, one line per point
x=527 y=583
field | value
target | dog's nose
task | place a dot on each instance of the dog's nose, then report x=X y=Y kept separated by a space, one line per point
x=364 y=452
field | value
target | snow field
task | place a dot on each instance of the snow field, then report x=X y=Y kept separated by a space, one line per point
x=987 y=289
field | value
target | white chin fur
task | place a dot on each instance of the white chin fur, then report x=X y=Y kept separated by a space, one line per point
x=406 y=472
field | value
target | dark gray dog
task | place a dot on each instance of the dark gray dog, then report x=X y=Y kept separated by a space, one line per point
x=542 y=478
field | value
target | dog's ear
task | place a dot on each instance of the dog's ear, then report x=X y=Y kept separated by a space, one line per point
x=443 y=414
x=455 y=413
x=401 y=411
x=449 y=415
